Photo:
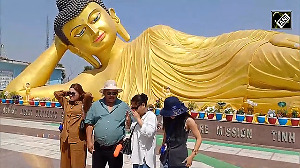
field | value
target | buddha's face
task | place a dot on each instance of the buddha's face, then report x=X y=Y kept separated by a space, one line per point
x=92 y=31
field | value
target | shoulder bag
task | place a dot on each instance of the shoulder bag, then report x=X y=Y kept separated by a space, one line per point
x=126 y=149
x=165 y=151
x=82 y=124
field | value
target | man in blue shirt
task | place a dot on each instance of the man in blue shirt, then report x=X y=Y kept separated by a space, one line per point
x=107 y=118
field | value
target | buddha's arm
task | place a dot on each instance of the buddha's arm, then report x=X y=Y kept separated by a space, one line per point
x=86 y=80
x=38 y=72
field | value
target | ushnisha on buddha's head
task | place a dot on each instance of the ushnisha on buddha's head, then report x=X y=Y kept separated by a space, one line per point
x=88 y=28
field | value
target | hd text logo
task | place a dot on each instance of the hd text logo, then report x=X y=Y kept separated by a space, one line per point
x=281 y=20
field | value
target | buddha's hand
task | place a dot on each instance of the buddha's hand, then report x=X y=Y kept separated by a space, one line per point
x=60 y=46
x=89 y=58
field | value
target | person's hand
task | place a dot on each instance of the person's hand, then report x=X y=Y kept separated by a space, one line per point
x=188 y=161
x=66 y=93
x=128 y=115
x=135 y=114
x=158 y=151
x=128 y=119
x=159 y=126
x=90 y=146
x=83 y=115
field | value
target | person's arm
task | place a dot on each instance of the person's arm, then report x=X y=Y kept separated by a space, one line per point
x=137 y=117
x=89 y=138
x=87 y=103
x=128 y=119
x=191 y=125
x=148 y=127
x=164 y=138
x=90 y=122
x=163 y=141
x=60 y=96
x=164 y=130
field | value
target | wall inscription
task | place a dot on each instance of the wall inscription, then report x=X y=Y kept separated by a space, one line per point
x=32 y=112
x=283 y=136
x=262 y=134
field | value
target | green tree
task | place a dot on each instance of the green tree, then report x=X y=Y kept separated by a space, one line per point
x=86 y=68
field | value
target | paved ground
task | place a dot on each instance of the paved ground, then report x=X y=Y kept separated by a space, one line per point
x=35 y=144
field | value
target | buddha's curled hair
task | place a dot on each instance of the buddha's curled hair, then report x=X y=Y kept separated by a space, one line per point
x=68 y=10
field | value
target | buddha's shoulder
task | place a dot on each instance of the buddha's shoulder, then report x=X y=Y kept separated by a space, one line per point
x=163 y=29
x=161 y=32
x=158 y=32
x=160 y=28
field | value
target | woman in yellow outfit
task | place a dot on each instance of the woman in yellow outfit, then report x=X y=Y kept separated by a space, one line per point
x=75 y=103
x=259 y=65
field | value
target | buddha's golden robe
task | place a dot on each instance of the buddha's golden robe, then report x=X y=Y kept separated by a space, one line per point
x=231 y=67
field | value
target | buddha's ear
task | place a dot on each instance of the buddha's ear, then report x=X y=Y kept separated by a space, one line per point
x=120 y=28
x=88 y=57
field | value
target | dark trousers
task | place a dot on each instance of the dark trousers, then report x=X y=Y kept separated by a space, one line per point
x=140 y=166
x=103 y=155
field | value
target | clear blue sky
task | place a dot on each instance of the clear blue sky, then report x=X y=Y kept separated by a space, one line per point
x=24 y=21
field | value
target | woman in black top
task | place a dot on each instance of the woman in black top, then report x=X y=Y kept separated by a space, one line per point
x=177 y=124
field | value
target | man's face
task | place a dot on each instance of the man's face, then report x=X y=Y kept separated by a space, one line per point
x=110 y=96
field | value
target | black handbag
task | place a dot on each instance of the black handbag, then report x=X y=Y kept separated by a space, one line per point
x=126 y=149
x=82 y=124
x=164 y=155
x=82 y=127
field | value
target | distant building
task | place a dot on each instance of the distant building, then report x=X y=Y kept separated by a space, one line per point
x=10 y=69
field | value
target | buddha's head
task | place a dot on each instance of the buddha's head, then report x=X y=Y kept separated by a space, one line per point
x=87 y=26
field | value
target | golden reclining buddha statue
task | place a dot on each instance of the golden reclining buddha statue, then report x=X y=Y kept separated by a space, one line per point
x=263 y=66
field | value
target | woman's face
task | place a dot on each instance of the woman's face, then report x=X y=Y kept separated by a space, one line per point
x=73 y=94
x=139 y=109
x=92 y=31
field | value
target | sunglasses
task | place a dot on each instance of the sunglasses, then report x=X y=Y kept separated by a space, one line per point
x=134 y=108
x=72 y=94
x=111 y=93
